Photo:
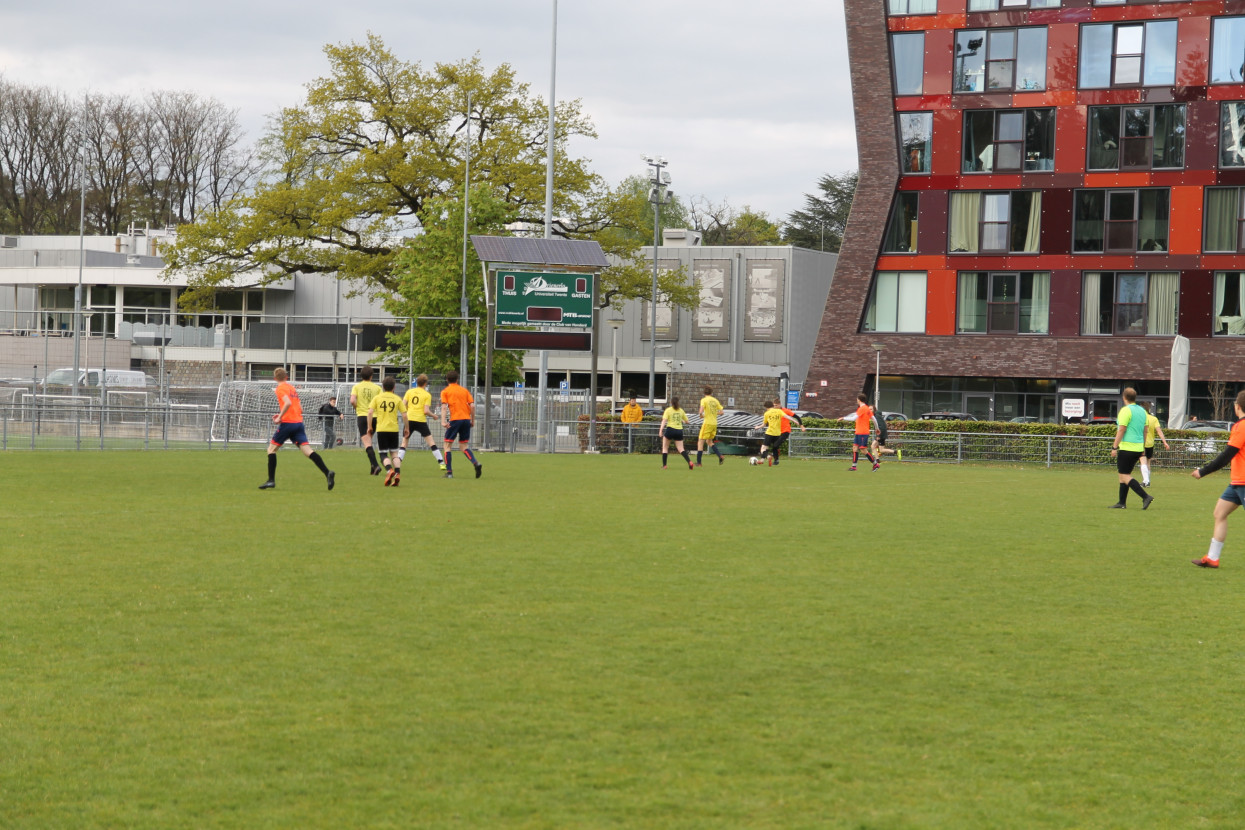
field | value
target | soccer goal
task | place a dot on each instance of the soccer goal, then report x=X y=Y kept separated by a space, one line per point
x=244 y=410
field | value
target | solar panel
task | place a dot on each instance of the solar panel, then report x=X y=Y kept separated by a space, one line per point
x=524 y=251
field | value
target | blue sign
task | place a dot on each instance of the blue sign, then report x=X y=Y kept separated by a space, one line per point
x=793 y=398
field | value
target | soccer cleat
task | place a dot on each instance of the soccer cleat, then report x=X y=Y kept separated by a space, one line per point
x=268 y=485
x=441 y=465
x=876 y=467
x=1206 y=562
x=331 y=476
x=698 y=464
x=769 y=461
x=899 y=455
x=389 y=478
x=397 y=478
x=1146 y=502
x=448 y=475
x=721 y=461
x=479 y=470
x=1119 y=505
x=376 y=468
x=691 y=466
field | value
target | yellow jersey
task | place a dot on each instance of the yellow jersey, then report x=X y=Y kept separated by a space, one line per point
x=773 y=421
x=417 y=400
x=363 y=392
x=1152 y=424
x=711 y=407
x=385 y=407
x=675 y=418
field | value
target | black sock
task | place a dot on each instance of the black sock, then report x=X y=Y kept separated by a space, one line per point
x=470 y=457
x=686 y=457
x=1136 y=487
x=716 y=450
x=869 y=456
x=699 y=456
x=1123 y=493
x=449 y=467
x=371 y=456
x=855 y=455
x=319 y=462
x=663 y=459
x=272 y=466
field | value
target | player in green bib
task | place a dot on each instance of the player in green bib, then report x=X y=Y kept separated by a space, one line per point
x=1129 y=447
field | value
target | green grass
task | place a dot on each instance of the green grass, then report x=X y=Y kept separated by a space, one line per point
x=580 y=641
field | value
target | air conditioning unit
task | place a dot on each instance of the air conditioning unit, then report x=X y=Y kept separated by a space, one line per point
x=8 y=241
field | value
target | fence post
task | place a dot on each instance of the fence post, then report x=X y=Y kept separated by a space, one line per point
x=959 y=448
x=146 y=427
x=1048 y=442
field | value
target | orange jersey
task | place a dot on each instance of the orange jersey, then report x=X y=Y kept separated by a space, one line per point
x=459 y=401
x=1237 y=439
x=786 y=419
x=293 y=415
x=864 y=414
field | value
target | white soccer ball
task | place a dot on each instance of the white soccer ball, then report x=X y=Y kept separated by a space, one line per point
x=754 y=461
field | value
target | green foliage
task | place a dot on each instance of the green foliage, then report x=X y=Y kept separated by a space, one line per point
x=747 y=227
x=824 y=216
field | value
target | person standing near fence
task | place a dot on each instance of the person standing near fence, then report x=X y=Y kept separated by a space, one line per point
x=1129 y=447
x=710 y=408
x=672 y=422
x=418 y=401
x=458 y=415
x=361 y=399
x=384 y=423
x=328 y=412
x=289 y=422
x=1152 y=429
x=1234 y=496
x=860 y=440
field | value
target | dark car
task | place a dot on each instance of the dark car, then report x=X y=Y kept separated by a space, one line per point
x=1210 y=426
x=946 y=416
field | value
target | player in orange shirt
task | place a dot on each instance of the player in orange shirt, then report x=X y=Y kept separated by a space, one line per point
x=289 y=423
x=864 y=418
x=1234 y=496
x=458 y=415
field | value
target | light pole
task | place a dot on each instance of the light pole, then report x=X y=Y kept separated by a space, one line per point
x=877 y=373
x=659 y=194
x=616 y=323
x=356 y=330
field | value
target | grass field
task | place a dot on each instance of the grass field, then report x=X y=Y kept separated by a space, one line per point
x=578 y=641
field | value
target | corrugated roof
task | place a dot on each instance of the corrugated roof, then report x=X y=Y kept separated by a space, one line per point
x=524 y=251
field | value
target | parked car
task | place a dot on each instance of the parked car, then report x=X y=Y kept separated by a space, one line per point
x=886 y=416
x=647 y=410
x=1025 y=419
x=943 y=415
x=1210 y=426
x=806 y=413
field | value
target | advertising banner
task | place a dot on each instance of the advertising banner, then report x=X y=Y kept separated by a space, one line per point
x=712 y=318
x=667 y=314
x=764 y=299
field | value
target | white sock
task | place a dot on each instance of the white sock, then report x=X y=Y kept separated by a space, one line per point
x=436 y=452
x=402 y=454
x=1216 y=547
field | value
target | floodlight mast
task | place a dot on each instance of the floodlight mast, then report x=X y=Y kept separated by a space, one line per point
x=659 y=180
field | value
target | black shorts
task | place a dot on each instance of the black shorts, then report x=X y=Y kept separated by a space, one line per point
x=771 y=440
x=672 y=434
x=458 y=429
x=387 y=441
x=362 y=419
x=1149 y=452
x=418 y=426
x=1126 y=460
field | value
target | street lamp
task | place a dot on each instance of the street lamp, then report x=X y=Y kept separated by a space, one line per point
x=877 y=373
x=659 y=194
x=616 y=323
x=356 y=329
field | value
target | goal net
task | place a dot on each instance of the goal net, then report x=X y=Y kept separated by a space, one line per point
x=244 y=410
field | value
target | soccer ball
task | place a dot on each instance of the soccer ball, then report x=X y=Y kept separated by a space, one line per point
x=754 y=461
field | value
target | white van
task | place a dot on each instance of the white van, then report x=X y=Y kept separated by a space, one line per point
x=95 y=378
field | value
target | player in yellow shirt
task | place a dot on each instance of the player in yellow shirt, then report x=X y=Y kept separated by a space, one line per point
x=710 y=408
x=361 y=395
x=672 y=422
x=1152 y=429
x=772 y=421
x=384 y=422
x=418 y=404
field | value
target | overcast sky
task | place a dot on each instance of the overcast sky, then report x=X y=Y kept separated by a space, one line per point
x=749 y=102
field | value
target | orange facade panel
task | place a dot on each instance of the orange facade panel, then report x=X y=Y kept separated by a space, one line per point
x=1185 y=236
x=940 y=302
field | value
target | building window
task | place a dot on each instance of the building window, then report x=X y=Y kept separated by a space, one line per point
x=1000 y=60
x=1005 y=5
x=995 y=222
x=1129 y=303
x=1227 y=45
x=901 y=229
x=898 y=7
x=1128 y=54
x=993 y=303
x=1225 y=219
x=1230 y=303
x=916 y=134
x=897 y=302
x=1008 y=140
x=908 y=62
x=1136 y=138
x=1232 y=134
x=1120 y=221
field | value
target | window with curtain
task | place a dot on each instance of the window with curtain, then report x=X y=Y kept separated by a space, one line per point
x=1130 y=53
x=1136 y=138
x=1004 y=5
x=896 y=303
x=1232 y=134
x=1130 y=303
x=901 y=228
x=898 y=7
x=916 y=138
x=1008 y=140
x=995 y=222
x=1224 y=221
x=1003 y=303
x=1227 y=46
x=1230 y=304
x=1119 y=221
x=908 y=62
x=1000 y=60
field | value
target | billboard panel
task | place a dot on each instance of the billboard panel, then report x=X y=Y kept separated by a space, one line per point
x=764 y=300
x=712 y=318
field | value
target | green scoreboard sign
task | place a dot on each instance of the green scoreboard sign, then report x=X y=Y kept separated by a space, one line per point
x=526 y=298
